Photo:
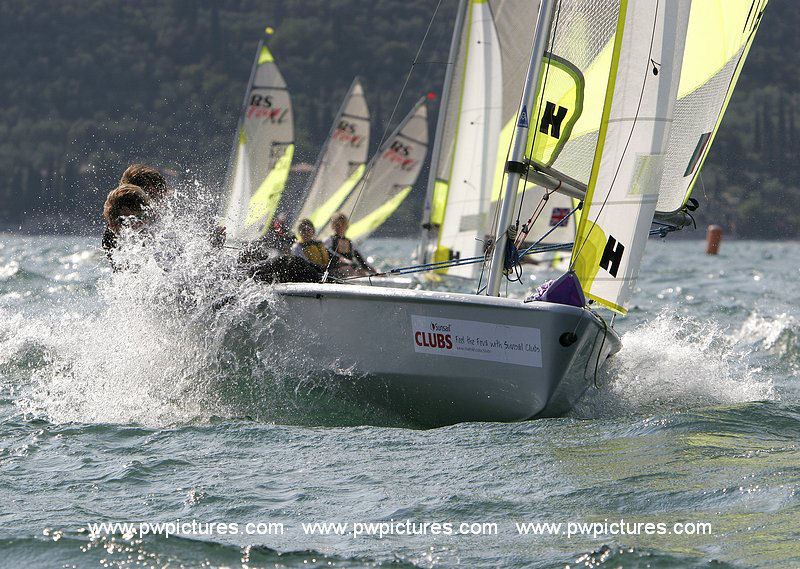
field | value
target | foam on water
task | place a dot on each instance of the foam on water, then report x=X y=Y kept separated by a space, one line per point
x=676 y=362
x=150 y=347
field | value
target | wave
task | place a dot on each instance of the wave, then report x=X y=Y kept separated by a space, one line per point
x=676 y=362
x=180 y=337
x=73 y=548
x=779 y=335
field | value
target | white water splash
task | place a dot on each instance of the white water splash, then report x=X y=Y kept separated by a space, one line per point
x=770 y=332
x=155 y=344
x=675 y=362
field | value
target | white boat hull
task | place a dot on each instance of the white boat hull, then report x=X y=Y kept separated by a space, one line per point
x=436 y=358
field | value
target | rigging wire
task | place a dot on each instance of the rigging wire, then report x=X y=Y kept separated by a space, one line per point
x=399 y=97
x=539 y=109
x=532 y=250
x=495 y=218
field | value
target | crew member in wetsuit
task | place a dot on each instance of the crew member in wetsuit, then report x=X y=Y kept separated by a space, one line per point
x=129 y=206
x=343 y=247
x=151 y=182
x=135 y=203
x=278 y=239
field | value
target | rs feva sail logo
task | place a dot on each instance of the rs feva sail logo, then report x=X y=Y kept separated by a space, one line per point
x=558 y=107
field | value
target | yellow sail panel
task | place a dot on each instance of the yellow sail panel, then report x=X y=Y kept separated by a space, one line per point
x=375 y=219
x=558 y=107
x=265 y=56
x=264 y=201
x=322 y=214
x=439 y=201
x=718 y=29
x=634 y=132
x=718 y=42
x=581 y=93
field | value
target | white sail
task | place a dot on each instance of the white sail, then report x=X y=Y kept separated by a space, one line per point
x=263 y=153
x=634 y=131
x=492 y=44
x=390 y=176
x=342 y=160
x=477 y=133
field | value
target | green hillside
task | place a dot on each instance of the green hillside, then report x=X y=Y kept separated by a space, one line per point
x=91 y=85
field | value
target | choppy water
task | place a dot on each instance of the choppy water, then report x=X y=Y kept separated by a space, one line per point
x=127 y=399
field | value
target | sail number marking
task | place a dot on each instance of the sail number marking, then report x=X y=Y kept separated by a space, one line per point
x=612 y=256
x=346 y=132
x=399 y=154
x=552 y=119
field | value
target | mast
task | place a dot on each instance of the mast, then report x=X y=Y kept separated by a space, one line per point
x=515 y=167
x=444 y=100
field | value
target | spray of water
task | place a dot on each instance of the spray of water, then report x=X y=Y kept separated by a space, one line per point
x=676 y=362
x=163 y=340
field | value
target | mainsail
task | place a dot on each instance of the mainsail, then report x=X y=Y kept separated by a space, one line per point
x=390 y=176
x=598 y=113
x=263 y=151
x=626 y=172
x=342 y=161
x=492 y=43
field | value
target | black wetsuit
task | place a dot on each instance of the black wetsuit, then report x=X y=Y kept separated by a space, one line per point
x=109 y=243
x=353 y=255
x=286 y=269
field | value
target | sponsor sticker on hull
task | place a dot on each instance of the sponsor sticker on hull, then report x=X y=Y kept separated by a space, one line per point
x=477 y=340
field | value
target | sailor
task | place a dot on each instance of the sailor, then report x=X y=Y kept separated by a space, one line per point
x=343 y=247
x=270 y=258
x=136 y=207
x=129 y=206
x=312 y=249
x=278 y=239
x=146 y=178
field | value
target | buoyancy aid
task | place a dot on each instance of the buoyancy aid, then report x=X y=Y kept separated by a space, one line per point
x=316 y=252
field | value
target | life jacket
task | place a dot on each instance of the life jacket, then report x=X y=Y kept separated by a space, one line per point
x=316 y=252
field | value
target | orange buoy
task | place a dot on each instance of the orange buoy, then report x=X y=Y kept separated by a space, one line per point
x=713 y=239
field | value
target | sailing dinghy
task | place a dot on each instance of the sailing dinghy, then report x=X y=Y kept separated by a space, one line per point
x=436 y=357
x=262 y=153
